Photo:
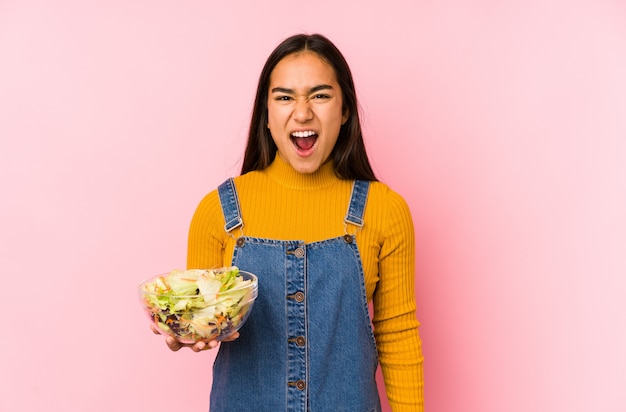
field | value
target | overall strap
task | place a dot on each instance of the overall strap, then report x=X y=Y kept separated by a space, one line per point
x=358 y=199
x=230 y=205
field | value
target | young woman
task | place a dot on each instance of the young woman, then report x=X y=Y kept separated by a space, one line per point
x=309 y=218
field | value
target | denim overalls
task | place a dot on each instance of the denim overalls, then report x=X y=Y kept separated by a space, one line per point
x=308 y=344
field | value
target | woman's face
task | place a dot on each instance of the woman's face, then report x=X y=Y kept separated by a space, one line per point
x=305 y=110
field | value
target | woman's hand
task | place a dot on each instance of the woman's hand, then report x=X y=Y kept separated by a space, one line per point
x=200 y=346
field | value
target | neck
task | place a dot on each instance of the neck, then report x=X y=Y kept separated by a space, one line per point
x=287 y=176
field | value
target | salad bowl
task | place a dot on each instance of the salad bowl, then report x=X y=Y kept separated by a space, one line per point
x=199 y=304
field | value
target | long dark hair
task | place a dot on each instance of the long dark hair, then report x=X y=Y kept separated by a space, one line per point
x=349 y=157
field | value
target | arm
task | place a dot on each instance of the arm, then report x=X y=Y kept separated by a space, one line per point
x=205 y=250
x=395 y=324
x=207 y=239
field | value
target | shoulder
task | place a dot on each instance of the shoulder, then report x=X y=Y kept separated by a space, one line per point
x=250 y=180
x=387 y=210
x=208 y=207
x=241 y=181
x=211 y=204
x=382 y=196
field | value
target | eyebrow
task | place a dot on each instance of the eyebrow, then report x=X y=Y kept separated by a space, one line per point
x=311 y=90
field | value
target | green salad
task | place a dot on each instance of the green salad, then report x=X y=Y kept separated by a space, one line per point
x=198 y=304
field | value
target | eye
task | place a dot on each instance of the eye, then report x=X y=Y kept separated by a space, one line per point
x=321 y=96
x=283 y=98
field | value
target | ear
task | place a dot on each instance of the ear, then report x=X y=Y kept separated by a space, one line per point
x=345 y=116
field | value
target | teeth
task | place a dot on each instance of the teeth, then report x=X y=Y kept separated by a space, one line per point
x=307 y=133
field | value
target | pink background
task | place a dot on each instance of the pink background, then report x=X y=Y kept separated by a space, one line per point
x=504 y=127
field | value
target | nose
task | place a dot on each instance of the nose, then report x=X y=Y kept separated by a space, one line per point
x=302 y=111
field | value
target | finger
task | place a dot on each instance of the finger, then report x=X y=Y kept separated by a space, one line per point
x=204 y=345
x=173 y=344
x=155 y=330
x=232 y=337
x=199 y=346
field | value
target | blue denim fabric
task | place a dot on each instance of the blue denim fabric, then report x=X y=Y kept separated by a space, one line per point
x=308 y=344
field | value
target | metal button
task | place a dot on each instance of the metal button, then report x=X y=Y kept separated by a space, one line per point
x=300 y=341
x=299 y=252
x=298 y=297
x=299 y=384
x=240 y=241
x=348 y=238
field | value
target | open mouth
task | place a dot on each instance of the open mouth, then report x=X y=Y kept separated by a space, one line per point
x=304 y=140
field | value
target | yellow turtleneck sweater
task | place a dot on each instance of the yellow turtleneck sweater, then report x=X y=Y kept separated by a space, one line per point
x=279 y=203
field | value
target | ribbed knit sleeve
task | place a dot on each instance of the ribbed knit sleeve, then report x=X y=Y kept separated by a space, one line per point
x=395 y=324
x=206 y=241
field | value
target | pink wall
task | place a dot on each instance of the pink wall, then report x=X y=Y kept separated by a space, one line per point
x=503 y=126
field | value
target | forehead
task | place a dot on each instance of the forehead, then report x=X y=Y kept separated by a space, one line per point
x=302 y=69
